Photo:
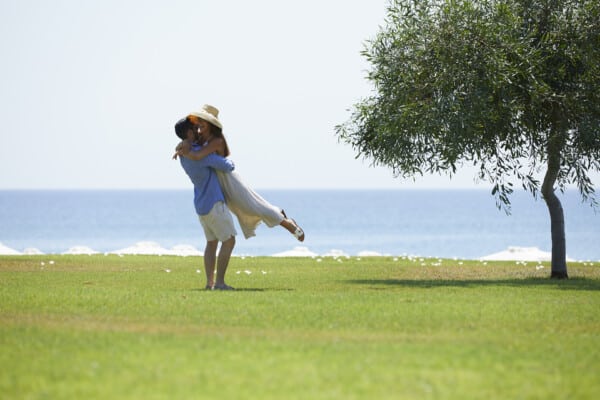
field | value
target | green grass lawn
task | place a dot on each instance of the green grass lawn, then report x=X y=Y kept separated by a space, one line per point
x=142 y=327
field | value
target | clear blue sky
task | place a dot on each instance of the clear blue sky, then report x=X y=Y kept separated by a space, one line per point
x=90 y=90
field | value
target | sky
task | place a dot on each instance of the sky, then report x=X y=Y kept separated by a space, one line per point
x=90 y=91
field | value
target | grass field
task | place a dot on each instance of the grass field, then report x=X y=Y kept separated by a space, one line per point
x=141 y=327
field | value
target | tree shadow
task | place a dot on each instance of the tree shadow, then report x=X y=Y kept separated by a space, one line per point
x=584 y=284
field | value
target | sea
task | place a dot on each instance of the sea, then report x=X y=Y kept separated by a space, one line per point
x=464 y=224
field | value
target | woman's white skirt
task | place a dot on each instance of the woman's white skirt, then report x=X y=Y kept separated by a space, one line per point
x=247 y=205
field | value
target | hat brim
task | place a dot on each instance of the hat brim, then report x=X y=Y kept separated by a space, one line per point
x=207 y=117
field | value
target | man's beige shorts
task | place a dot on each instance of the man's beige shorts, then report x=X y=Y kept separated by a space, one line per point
x=218 y=223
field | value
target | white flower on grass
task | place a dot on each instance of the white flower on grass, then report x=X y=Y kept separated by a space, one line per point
x=51 y=262
x=264 y=272
x=238 y=272
x=319 y=259
x=247 y=272
x=42 y=263
x=538 y=267
x=167 y=270
x=198 y=271
x=523 y=263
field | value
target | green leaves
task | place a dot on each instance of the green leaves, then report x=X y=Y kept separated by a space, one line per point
x=485 y=83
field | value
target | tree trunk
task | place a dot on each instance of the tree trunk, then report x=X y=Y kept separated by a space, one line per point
x=557 y=218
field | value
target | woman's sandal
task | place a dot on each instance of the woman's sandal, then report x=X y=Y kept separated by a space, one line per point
x=298 y=233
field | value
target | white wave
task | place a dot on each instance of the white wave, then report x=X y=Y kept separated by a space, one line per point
x=139 y=248
x=185 y=250
x=80 y=250
x=144 y=248
x=515 y=253
x=7 y=251
x=32 y=251
x=299 y=251
x=153 y=248
x=368 y=253
x=335 y=253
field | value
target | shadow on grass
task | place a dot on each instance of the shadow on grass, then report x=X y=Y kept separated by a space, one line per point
x=567 y=284
x=244 y=289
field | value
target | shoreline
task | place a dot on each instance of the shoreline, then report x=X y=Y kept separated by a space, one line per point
x=512 y=253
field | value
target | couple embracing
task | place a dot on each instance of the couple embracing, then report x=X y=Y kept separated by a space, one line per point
x=203 y=155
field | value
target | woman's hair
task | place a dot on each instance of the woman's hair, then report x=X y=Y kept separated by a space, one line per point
x=181 y=128
x=218 y=132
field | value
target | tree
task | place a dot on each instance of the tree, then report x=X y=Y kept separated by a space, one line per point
x=508 y=86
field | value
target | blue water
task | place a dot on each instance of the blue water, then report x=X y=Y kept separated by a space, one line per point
x=441 y=223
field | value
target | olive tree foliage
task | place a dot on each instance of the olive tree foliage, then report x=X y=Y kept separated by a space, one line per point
x=509 y=86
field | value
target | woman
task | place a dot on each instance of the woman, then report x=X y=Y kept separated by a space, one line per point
x=248 y=206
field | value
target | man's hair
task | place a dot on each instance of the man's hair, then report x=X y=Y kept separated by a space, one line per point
x=181 y=128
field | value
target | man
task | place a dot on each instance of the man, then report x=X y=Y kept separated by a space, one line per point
x=209 y=202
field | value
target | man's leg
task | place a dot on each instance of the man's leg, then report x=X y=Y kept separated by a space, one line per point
x=210 y=258
x=223 y=260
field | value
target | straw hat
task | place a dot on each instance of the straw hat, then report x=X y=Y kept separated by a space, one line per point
x=208 y=113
